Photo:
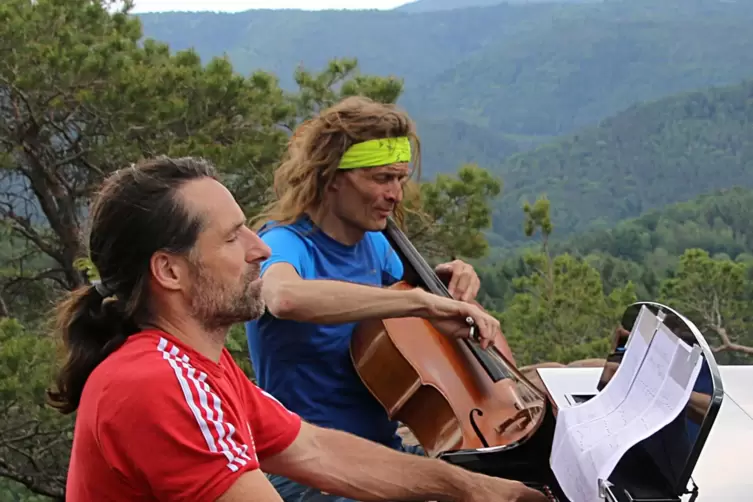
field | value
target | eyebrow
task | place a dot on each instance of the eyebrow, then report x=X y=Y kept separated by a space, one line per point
x=391 y=171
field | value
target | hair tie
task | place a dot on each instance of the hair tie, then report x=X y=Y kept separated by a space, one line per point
x=103 y=291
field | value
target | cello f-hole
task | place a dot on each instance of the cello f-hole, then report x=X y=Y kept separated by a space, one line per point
x=524 y=414
x=475 y=427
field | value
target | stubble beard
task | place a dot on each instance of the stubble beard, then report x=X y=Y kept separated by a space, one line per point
x=218 y=306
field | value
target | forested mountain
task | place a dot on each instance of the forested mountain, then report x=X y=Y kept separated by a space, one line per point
x=512 y=71
x=720 y=223
x=696 y=256
x=645 y=249
x=585 y=62
x=648 y=156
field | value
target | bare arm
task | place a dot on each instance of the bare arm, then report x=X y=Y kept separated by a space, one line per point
x=288 y=296
x=332 y=302
x=345 y=465
x=252 y=485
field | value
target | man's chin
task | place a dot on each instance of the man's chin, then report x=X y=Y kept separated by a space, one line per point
x=256 y=311
x=378 y=225
x=250 y=310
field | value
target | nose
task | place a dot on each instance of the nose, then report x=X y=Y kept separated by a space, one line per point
x=257 y=250
x=394 y=192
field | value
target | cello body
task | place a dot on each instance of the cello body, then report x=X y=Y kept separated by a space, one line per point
x=450 y=393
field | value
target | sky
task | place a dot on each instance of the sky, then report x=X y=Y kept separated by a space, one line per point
x=241 y=5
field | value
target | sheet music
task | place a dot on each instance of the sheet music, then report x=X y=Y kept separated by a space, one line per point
x=617 y=388
x=589 y=444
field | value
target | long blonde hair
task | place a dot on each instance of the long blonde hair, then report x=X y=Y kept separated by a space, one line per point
x=310 y=163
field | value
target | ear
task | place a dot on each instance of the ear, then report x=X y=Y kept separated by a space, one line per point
x=168 y=271
x=336 y=183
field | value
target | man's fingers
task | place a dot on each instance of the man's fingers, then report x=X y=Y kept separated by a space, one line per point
x=486 y=332
x=461 y=286
x=535 y=496
x=462 y=282
x=469 y=283
x=465 y=277
x=490 y=331
x=475 y=287
x=452 y=286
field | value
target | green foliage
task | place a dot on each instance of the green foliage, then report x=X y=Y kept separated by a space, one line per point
x=84 y=98
x=717 y=295
x=537 y=218
x=718 y=222
x=337 y=81
x=12 y=491
x=559 y=311
x=35 y=441
x=24 y=293
x=237 y=345
x=643 y=250
x=646 y=250
x=458 y=210
x=598 y=273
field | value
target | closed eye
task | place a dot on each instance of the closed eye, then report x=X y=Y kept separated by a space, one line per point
x=232 y=235
x=388 y=178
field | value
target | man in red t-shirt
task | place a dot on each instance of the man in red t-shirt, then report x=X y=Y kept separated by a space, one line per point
x=163 y=411
x=157 y=417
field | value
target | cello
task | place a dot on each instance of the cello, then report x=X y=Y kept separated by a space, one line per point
x=451 y=393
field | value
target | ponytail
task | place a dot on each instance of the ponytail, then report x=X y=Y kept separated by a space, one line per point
x=92 y=327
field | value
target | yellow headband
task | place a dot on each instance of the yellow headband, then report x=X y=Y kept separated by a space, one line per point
x=376 y=152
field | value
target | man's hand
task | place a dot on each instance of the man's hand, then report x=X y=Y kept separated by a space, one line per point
x=449 y=317
x=489 y=489
x=463 y=281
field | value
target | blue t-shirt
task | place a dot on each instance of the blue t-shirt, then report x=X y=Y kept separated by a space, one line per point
x=307 y=366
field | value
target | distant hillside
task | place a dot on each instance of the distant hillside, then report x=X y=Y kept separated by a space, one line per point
x=436 y=5
x=583 y=63
x=447 y=144
x=719 y=222
x=527 y=71
x=644 y=250
x=646 y=157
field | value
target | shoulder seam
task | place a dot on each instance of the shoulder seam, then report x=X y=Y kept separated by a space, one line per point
x=206 y=407
x=288 y=229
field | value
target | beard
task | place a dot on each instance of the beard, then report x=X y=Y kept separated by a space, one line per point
x=217 y=305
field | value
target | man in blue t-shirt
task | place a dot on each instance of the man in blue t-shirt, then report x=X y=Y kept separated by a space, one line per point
x=341 y=180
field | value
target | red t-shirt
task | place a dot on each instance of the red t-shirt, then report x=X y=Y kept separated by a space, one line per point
x=159 y=421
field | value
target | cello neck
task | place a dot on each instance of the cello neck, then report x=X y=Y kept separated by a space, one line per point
x=491 y=361
x=411 y=257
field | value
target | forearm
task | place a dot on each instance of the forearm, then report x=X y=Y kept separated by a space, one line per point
x=336 y=302
x=348 y=466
